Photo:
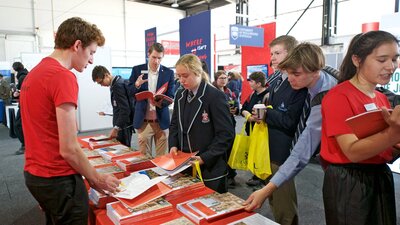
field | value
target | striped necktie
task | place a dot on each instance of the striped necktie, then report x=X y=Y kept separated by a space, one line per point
x=190 y=96
x=278 y=82
x=303 y=118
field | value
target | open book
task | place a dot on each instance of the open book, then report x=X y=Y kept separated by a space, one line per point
x=367 y=123
x=158 y=96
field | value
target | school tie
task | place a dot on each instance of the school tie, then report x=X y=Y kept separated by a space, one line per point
x=303 y=118
x=278 y=82
x=190 y=96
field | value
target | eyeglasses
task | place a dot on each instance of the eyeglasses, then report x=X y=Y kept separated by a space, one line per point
x=222 y=78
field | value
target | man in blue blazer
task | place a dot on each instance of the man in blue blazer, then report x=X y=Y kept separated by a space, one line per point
x=152 y=118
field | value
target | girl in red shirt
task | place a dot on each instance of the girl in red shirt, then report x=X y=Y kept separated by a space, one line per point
x=358 y=185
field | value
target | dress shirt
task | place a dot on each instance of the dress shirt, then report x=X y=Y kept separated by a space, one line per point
x=309 y=139
x=152 y=86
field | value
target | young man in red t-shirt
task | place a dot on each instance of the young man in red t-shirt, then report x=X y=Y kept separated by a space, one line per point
x=54 y=161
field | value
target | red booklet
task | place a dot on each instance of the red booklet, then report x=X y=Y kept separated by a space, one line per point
x=159 y=95
x=172 y=162
x=367 y=123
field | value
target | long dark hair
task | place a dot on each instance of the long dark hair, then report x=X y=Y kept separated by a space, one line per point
x=361 y=46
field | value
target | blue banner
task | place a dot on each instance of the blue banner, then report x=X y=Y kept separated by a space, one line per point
x=150 y=37
x=195 y=36
x=246 y=36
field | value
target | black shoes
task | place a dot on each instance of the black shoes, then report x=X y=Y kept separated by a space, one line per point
x=20 y=151
x=231 y=182
x=254 y=181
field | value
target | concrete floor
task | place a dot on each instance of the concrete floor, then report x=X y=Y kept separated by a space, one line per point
x=19 y=207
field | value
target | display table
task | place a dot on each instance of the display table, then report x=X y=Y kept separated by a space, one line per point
x=102 y=218
x=99 y=216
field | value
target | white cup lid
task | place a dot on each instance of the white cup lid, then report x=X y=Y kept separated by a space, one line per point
x=259 y=106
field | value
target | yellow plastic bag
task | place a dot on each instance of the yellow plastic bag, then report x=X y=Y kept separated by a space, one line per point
x=258 y=160
x=240 y=150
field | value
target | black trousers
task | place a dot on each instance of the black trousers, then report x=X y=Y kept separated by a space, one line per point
x=359 y=194
x=219 y=185
x=125 y=136
x=18 y=128
x=64 y=199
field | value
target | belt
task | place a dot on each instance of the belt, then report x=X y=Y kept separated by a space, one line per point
x=151 y=121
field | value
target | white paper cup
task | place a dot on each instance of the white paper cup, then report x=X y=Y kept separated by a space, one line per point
x=260 y=110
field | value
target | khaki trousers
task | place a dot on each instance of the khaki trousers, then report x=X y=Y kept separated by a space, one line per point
x=146 y=133
x=283 y=201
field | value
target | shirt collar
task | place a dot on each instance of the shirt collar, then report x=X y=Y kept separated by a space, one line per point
x=318 y=85
x=150 y=71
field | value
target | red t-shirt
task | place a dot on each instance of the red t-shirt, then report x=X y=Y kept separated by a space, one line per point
x=342 y=102
x=47 y=86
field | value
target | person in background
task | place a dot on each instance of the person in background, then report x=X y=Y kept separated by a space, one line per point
x=121 y=101
x=21 y=74
x=152 y=121
x=257 y=84
x=280 y=47
x=220 y=81
x=205 y=67
x=305 y=69
x=54 y=160
x=201 y=121
x=259 y=96
x=4 y=90
x=285 y=105
x=358 y=185
x=235 y=83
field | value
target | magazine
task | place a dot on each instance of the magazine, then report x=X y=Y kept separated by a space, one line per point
x=367 y=123
x=158 y=96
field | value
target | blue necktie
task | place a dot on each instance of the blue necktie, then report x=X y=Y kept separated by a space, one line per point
x=303 y=118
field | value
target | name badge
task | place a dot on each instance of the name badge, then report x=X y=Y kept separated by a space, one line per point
x=144 y=72
x=370 y=107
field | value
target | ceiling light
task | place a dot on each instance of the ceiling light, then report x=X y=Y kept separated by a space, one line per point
x=175 y=4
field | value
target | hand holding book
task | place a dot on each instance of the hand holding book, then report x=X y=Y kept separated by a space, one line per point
x=158 y=98
x=369 y=123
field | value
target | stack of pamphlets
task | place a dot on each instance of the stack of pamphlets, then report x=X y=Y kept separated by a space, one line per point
x=179 y=221
x=100 y=141
x=135 y=163
x=121 y=215
x=91 y=153
x=116 y=152
x=210 y=207
x=100 y=200
x=99 y=162
x=112 y=169
x=182 y=185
